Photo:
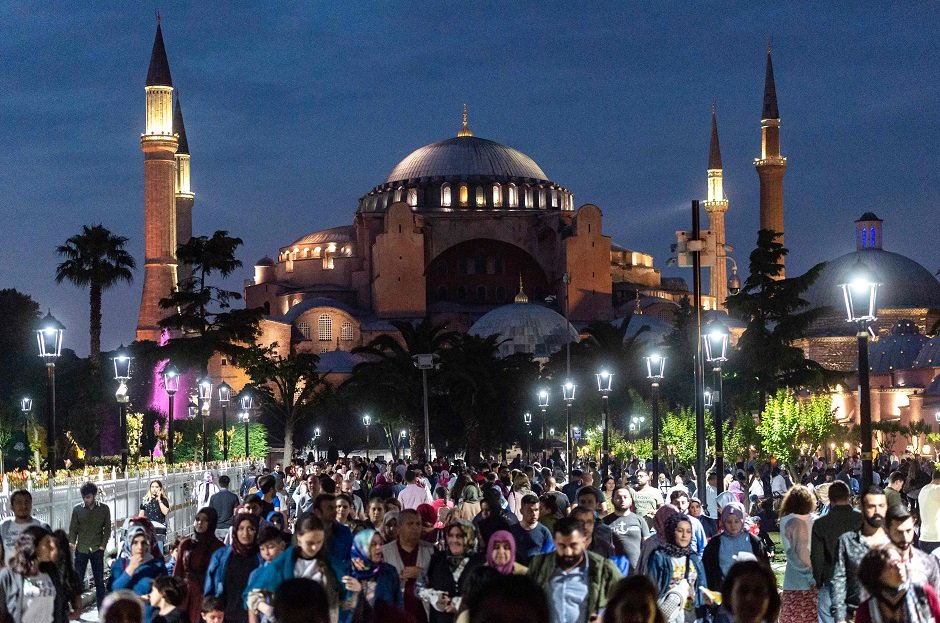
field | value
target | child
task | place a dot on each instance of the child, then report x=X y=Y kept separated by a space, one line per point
x=166 y=594
x=213 y=610
x=271 y=544
x=172 y=552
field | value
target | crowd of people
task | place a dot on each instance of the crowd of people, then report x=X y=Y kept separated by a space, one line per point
x=447 y=542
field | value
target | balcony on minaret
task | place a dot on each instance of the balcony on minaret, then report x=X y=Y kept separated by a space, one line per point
x=183 y=188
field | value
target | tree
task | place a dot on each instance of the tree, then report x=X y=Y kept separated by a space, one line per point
x=790 y=428
x=289 y=389
x=678 y=386
x=95 y=259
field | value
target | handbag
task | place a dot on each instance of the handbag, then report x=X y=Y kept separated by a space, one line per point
x=672 y=604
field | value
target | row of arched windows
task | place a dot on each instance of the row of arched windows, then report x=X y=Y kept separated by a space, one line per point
x=462 y=195
x=325 y=329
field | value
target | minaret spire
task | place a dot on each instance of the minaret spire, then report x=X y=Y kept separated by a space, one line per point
x=770 y=88
x=714 y=149
x=771 y=166
x=158 y=74
x=715 y=207
x=465 y=130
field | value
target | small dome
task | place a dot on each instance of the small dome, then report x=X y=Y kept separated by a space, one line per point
x=265 y=261
x=344 y=233
x=896 y=351
x=526 y=328
x=463 y=157
x=654 y=329
x=929 y=355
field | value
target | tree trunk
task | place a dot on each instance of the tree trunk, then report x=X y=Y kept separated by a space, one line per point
x=94 y=327
x=289 y=424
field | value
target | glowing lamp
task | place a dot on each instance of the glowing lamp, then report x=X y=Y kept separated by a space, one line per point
x=192 y=411
x=49 y=337
x=604 y=381
x=122 y=365
x=171 y=379
x=655 y=367
x=205 y=389
x=225 y=393
x=716 y=344
x=543 y=399
x=567 y=390
x=26 y=405
x=860 y=294
x=527 y=417
x=709 y=398
x=245 y=399
x=367 y=420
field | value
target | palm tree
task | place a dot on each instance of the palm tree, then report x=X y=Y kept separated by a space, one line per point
x=95 y=258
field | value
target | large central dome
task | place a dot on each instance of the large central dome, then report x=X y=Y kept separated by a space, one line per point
x=466 y=156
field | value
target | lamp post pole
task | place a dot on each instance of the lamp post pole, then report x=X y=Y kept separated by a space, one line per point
x=122 y=374
x=699 y=370
x=425 y=362
x=205 y=395
x=604 y=380
x=655 y=370
x=543 y=405
x=715 y=343
x=171 y=383
x=568 y=390
x=367 y=422
x=225 y=392
x=49 y=337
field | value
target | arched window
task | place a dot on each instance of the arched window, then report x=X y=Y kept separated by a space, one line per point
x=445 y=195
x=304 y=328
x=513 y=196
x=542 y=198
x=528 y=197
x=399 y=193
x=554 y=198
x=464 y=199
x=412 y=197
x=497 y=196
x=872 y=237
x=481 y=293
x=346 y=331
x=481 y=197
x=864 y=238
x=325 y=328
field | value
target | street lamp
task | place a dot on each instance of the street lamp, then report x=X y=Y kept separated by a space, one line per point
x=860 y=295
x=26 y=406
x=543 y=405
x=655 y=370
x=171 y=383
x=225 y=393
x=605 y=381
x=425 y=362
x=527 y=417
x=245 y=400
x=715 y=343
x=709 y=398
x=122 y=374
x=567 y=393
x=49 y=338
x=316 y=449
x=367 y=422
x=205 y=396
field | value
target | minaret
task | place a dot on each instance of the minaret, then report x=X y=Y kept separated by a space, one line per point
x=715 y=207
x=159 y=144
x=184 y=194
x=771 y=166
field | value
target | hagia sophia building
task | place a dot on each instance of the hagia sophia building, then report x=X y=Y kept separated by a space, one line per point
x=475 y=234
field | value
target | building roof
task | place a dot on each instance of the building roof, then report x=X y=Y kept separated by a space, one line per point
x=770 y=110
x=179 y=127
x=526 y=328
x=265 y=261
x=896 y=351
x=158 y=74
x=929 y=355
x=320 y=301
x=338 y=361
x=343 y=233
x=868 y=216
x=463 y=157
x=714 y=149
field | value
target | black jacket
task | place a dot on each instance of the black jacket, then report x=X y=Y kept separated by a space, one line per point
x=710 y=559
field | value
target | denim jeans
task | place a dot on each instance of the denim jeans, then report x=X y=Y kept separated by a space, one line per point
x=824 y=604
x=97 y=571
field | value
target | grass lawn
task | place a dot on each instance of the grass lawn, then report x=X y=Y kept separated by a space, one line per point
x=779 y=562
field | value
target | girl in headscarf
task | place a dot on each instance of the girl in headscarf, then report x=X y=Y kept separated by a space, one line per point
x=677 y=571
x=501 y=554
x=470 y=498
x=389 y=529
x=136 y=567
x=656 y=538
x=734 y=539
x=373 y=584
x=439 y=585
x=738 y=491
x=428 y=516
x=195 y=553
x=231 y=566
x=277 y=519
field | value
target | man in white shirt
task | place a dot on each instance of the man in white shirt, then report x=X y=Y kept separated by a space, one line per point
x=929 y=503
x=779 y=486
x=414 y=494
x=711 y=496
x=21 y=503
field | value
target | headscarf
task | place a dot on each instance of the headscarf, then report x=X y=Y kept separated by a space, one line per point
x=732 y=508
x=471 y=493
x=735 y=488
x=363 y=567
x=133 y=532
x=501 y=536
x=151 y=534
x=207 y=536
x=389 y=517
x=427 y=513
x=270 y=519
x=668 y=539
x=659 y=519
x=444 y=479
x=469 y=533
x=239 y=548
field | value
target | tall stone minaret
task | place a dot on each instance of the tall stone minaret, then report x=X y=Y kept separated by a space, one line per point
x=771 y=166
x=159 y=144
x=715 y=207
x=184 y=193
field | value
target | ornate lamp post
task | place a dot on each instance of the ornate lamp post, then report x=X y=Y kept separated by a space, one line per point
x=225 y=393
x=171 y=383
x=860 y=295
x=122 y=374
x=316 y=450
x=49 y=338
x=716 y=353
x=605 y=380
x=367 y=422
x=26 y=406
x=205 y=396
x=245 y=400
x=567 y=393
x=655 y=369
x=543 y=405
x=527 y=418
x=424 y=363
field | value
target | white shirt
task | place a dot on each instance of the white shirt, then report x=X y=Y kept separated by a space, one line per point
x=9 y=530
x=413 y=496
x=38 y=599
x=929 y=502
x=778 y=485
x=756 y=488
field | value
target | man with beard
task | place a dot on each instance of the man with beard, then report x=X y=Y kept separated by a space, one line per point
x=577 y=582
x=851 y=548
x=629 y=529
x=921 y=568
x=646 y=498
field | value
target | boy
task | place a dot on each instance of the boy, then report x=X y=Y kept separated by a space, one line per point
x=213 y=610
x=270 y=544
x=166 y=594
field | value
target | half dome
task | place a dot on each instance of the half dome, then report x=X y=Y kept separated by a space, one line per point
x=464 y=157
x=526 y=328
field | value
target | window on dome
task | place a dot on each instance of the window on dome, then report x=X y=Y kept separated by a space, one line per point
x=542 y=198
x=872 y=237
x=497 y=196
x=346 y=332
x=304 y=328
x=513 y=196
x=481 y=197
x=481 y=294
x=412 y=197
x=864 y=238
x=554 y=198
x=445 y=195
x=464 y=199
x=528 y=197
x=325 y=328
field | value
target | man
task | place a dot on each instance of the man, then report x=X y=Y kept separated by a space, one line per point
x=89 y=530
x=250 y=480
x=571 y=487
x=592 y=543
x=629 y=530
x=532 y=538
x=224 y=503
x=561 y=500
x=928 y=501
x=708 y=524
x=587 y=480
x=21 y=503
x=410 y=557
x=305 y=494
x=268 y=494
x=711 y=498
x=413 y=495
x=348 y=486
x=590 y=498
x=779 y=484
x=840 y=519
x=921 y=568
x=893 y=490
x=577 y=582
x=646 y=498
x=851 y=548
x=338 y=538
x=681 y=500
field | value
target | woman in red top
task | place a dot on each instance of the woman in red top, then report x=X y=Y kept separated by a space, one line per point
x=893 y=597
x=193 y=559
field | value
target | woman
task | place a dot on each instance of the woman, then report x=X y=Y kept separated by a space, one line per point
x=27 y=591
x=136 y=567
x=749 y=593
x=734 y=539
x=389 y=529
x=428 y=516
x=277 y=519
x=373 y=585
x=798 y=602
x=633 y=600
x=655 y=539
x=439 y=585
x=195 y=554
x=520 y=488
x=470 y=499
x=737 y=490
x=155 y=506
x=608 y=487
x=72 y=585
x=892 y=597
x=230 y=567
x=677 y=571
x=501 y=554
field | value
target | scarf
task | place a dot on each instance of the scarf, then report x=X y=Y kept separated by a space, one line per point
x=144 y=524
x=388 y=518
x=471 y=493
x=501 y=536
x=427 y=513
x=363 y=567
x=133 y=532
x=910 y=612
x=469 y=533
x=242 y=549
x=659 y=519
x=668 y=543
x=206 y=537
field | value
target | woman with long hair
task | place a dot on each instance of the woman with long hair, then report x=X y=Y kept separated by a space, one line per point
x=195 y=554
x=28 y=592
x=608 y=487
x=155 y=506
x=373 y=584
x=439 y=585
x=677 y=571
x=231 y=566
x=137 y=565
x=798 y=602
x=893 y=598
x=65 y=568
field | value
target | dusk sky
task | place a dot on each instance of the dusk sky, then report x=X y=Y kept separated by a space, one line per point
x=294 y=111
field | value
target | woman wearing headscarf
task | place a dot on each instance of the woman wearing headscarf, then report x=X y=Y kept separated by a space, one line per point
x=677 y=571
x=428 y=516
x=501 y=554
x=655 y=539
x=278 y=520
x=439 y=585
x=373 y=584
x=195 y=553
x=231 y=566
x=389 y=529
x=722 y=551
x=470 y=498
x=136 y=567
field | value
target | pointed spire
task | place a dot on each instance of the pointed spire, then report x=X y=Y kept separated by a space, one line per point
x=770 y=89
x=465 y=130
x=714 y=150
x=521 y=297
x=179 y=128
x=158 y=74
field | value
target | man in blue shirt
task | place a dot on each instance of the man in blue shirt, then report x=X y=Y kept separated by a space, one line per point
x=532 y=538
